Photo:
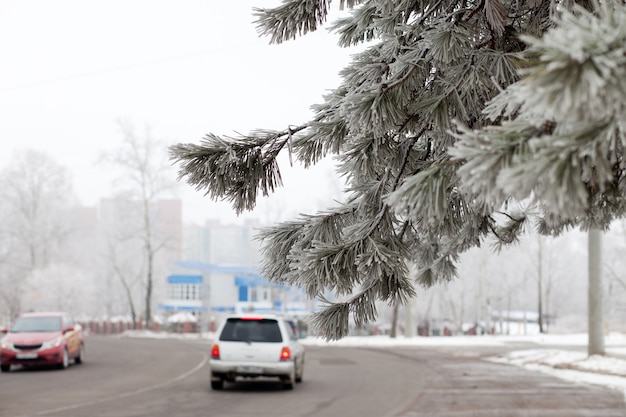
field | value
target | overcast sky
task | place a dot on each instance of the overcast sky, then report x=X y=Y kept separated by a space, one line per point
x=184 y=68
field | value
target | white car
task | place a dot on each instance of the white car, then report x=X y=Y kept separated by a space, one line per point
x=252 y=346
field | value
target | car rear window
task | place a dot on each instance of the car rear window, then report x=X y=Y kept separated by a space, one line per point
x=251 y=330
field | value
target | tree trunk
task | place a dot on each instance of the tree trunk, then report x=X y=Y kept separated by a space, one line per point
x=394 y=320
x=149 y=290
x=508 y=312
x=150 y=251
x=131 y=304
x=410 y=327
x=595 y=314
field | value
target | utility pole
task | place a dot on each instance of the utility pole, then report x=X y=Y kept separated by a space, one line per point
x=540 y=284
x=595 y=315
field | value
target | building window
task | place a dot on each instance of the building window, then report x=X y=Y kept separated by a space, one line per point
x=259 y=294
x=185 y=292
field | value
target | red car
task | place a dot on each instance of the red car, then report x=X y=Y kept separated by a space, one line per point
x=42 y=339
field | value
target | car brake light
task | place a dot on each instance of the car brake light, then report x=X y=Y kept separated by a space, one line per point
x=215 y=352
x=252 y=318
x=285 y=354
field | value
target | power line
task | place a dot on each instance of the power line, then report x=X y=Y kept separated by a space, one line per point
x=121 y=68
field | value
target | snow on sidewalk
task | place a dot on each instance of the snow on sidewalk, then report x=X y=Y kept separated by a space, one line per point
x=561 y=359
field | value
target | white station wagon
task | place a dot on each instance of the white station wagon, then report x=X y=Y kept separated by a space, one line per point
x=252 y=346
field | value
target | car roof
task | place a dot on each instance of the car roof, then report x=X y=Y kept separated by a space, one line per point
x=45 y=314
x=253 y=316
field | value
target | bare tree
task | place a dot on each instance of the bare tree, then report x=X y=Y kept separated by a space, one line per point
x=120 y=252
x=145 y=177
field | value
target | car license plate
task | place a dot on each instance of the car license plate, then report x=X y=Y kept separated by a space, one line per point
x=250 y=369
x=26 y=356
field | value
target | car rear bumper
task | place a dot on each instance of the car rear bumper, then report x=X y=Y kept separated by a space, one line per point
x=226 y=369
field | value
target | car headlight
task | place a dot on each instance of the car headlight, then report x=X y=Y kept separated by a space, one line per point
x=52 y=343
x=7 y=345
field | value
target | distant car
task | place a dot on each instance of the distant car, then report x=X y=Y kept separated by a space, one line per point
x=42 y=339
x=298 y=327
x=253 y=346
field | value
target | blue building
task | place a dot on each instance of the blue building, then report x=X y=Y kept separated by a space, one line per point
x=212 y=291
x=219 y=275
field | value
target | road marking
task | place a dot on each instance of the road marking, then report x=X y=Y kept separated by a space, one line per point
x=205 y=359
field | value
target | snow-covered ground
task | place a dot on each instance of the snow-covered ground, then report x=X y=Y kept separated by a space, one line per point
x=608 y=370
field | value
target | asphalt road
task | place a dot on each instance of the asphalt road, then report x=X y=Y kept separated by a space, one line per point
x=124 y=377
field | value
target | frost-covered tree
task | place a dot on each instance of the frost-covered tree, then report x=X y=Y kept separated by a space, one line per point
x=558 y=134
x=431 y=75
x=37 y=195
